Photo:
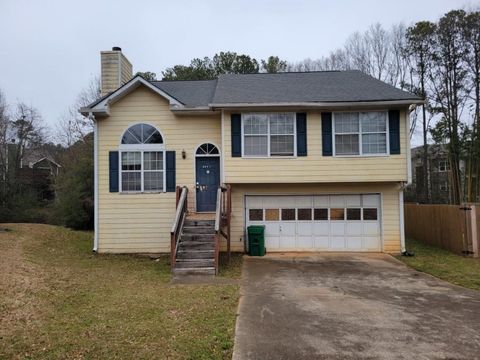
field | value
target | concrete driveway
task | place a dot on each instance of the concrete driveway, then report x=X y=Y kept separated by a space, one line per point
x=352 y=306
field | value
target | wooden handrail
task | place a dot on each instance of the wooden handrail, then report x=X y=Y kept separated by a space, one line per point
x=222 y=219
x=182 y=207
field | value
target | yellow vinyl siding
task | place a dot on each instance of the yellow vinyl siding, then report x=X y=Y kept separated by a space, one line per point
x=389 y=195
x=315 y=168
x=142 y=222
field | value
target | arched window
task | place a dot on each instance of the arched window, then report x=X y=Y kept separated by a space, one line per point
x=142 y=160
x=142 y=134
x=207 y=150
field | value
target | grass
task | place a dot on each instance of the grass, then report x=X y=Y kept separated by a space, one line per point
x=459 y=270
x=62 y=301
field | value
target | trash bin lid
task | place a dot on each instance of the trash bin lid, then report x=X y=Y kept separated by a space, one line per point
x=256 y=229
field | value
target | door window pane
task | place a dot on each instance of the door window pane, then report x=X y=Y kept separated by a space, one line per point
x=288 y=214
x=354 y=214
x=337 y=214
x=370 y=214
x=320 y=214
x=255 y=214
x=272 y=214
x=305 y=214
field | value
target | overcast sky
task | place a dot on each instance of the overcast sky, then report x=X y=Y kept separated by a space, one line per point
x=49 y=50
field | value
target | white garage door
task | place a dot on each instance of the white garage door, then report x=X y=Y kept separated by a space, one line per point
x=317 y=223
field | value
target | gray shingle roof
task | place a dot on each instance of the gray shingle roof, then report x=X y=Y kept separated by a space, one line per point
x=190 y=93
x=306 y=87
x=325 y=86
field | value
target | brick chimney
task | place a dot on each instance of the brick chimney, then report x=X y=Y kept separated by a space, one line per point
x=116 y=70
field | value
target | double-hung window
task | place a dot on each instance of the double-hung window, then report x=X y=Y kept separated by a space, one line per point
x=142 y=160
x=360 y=133
x=267 y=135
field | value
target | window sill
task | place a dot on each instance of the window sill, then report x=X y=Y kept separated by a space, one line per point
x=140 y=192
x=362 y=156
x=270 y=157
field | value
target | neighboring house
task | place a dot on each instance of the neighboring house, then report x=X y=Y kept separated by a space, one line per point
x=439 y=176
x=36 y=172
x=319 y=158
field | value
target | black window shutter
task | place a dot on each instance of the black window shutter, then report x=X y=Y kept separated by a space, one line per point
x=170 y=175
x=236 y=135
x=394 y=129
x=327 y=134
x=113 y=169
x=301 y=134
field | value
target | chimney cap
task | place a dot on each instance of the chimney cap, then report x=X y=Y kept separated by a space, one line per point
x=116 y=48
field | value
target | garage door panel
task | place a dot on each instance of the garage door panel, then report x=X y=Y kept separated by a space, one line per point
x=272 y=242
x=353 y=200
x=305 y=242
x=371 y=243
x=321 y=201
x=337 y=201
x=321 y=242
x=354 y=228
x=304 y=228
x=337 y=228
x=337 y=242
x=371 y=200
x=354 y=243
x=321 y=228
x=371 y=228
x=272 y=228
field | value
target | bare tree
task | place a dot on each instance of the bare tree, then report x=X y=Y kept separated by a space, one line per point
x=73 y=126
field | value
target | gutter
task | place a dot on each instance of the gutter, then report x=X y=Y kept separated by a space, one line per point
x=327 y=105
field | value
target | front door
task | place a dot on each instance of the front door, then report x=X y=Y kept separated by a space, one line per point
x=208 y=180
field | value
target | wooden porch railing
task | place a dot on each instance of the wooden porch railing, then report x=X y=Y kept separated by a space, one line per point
x=182 y=207
x=223 y=215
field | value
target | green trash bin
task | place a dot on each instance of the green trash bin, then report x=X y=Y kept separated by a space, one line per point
x=256 y=240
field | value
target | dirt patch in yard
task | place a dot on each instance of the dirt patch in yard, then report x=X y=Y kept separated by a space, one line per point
x=20 y=282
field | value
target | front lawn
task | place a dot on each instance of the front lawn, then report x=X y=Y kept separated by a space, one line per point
x=58 y=300
x=459 y=270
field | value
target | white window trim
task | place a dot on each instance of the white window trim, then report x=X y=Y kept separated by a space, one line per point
x=359 y=133
x=269 y=156
x=141 y=148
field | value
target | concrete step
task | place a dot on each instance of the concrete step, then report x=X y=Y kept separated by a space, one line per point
x=196 y=254
x=189 y=222
x=198 y=230
x=194 y=271
x=194 y=263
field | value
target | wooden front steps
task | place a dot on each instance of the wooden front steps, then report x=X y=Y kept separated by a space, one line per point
x=196 y=247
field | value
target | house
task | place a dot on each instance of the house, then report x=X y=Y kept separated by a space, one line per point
x=320 y=158
x=35 y=170
x=439 y=175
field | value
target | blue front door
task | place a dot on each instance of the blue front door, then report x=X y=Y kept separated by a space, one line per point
x=208 y=180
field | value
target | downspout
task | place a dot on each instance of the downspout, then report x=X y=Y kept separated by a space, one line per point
x=95 y=180
x=402 y=219
x=222 y=159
